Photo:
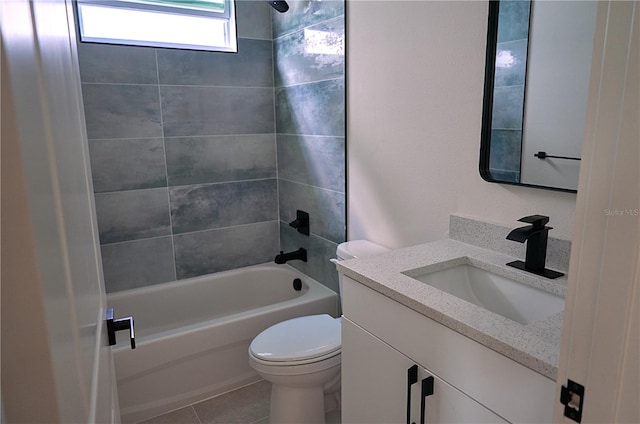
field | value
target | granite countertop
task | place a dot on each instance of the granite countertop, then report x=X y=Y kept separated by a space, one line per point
x=535 y=345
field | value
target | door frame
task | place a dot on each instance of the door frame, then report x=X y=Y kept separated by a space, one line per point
x=600 y=338
x=56 y=362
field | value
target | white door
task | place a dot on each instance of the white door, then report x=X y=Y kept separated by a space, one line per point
x=601 y=334
x=56 y=365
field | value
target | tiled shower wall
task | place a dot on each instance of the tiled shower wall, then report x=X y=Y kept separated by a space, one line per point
x=308 y=43
x=183 y=152
x=183 y=155
x=508 y=97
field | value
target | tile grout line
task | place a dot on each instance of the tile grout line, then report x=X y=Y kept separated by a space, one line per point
x=166 y=168
x=234 y=87
x=301 y=29
x=192 y=232
x=221 y=135
x=312 y=186
x=184 y=186
x=275 y=126
x=195 y=413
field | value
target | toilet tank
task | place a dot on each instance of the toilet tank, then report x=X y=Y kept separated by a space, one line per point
x=356 y=249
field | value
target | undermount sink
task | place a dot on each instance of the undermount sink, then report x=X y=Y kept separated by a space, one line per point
x=513 y=300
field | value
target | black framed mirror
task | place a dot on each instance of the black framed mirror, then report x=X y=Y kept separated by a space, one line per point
x=535 y=95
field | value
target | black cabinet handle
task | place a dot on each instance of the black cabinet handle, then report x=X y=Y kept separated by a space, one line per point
x=412 y=378
x=427 y=390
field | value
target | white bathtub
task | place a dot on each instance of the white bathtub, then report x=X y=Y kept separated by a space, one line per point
x=192 y=336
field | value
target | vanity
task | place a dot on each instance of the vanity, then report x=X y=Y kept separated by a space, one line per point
x=446 y=332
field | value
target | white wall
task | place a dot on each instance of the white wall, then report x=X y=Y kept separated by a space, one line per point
x=560 y=47
x=415 y=72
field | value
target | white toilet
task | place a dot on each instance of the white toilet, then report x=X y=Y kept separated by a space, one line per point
x=301 y=358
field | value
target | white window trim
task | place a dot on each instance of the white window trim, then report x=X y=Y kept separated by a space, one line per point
x=106 y=22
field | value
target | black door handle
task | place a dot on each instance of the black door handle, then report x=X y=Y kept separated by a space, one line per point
x=427 y=390
x=412 y=378
x=118 y=324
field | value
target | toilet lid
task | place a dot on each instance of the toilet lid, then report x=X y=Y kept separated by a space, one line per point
x=298 y=339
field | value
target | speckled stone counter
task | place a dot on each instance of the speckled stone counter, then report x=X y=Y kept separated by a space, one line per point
x=535 y=345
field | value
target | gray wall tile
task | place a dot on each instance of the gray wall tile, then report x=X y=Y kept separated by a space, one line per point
x=131 y=215
x=513 y=74
x=301 y=59
x=303 y=13
x=319 y=253
x=507 y=107
x=207 y=142
x=313 y=160
x=127 y=164
x=513 y=20
x=117 y=64
x=196 y=160
x=253 y=19
x=200 y=207
x=205 y=252
x=252 y=66
x=137 y=263
x=314 y=109
x=121 y=111
x=310 y=126
x=506 y=146
x=326 y=208
x=189 y=111
x=508 y=176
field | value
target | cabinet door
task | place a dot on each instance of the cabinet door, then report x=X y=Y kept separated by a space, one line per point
x=450 y=405
x=375 y=387
x=374 y=380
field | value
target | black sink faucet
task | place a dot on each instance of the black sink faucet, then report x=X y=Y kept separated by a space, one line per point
x=282 y=258
x=536 y=236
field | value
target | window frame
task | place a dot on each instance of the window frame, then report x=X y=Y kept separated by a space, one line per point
x=226 y=18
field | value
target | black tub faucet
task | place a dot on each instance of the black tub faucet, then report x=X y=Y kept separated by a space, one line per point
x=300 y=254
x=536 y=236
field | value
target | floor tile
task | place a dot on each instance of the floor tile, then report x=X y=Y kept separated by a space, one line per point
x=181 y=416
x=334 y=417
x=246 y=405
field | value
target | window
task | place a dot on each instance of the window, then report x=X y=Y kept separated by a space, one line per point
x=187 y=24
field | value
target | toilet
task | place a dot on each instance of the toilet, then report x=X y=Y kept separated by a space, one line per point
x=301 y=357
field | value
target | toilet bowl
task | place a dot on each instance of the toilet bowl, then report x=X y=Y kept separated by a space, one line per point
x=301 y=357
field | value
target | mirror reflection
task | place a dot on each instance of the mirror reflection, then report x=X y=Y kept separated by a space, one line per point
x=536 y=85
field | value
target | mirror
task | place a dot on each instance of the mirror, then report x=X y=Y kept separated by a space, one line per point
x=535 y=95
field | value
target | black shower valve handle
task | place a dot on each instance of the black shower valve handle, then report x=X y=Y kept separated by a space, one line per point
x=295 y=223
x=301 y=223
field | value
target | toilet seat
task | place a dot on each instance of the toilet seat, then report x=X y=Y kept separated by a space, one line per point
x=298 y=341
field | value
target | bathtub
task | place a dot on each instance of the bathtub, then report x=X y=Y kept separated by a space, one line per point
x=192 y=335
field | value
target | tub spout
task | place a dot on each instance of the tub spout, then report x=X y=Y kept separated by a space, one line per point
x=300 y=254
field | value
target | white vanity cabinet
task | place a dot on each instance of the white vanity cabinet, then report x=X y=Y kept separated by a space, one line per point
x=381 y=385
x=382 y=339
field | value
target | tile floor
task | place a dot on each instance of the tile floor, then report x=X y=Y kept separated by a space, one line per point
x=247 y=405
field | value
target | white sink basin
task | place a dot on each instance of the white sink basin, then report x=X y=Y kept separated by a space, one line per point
x=503 y=296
